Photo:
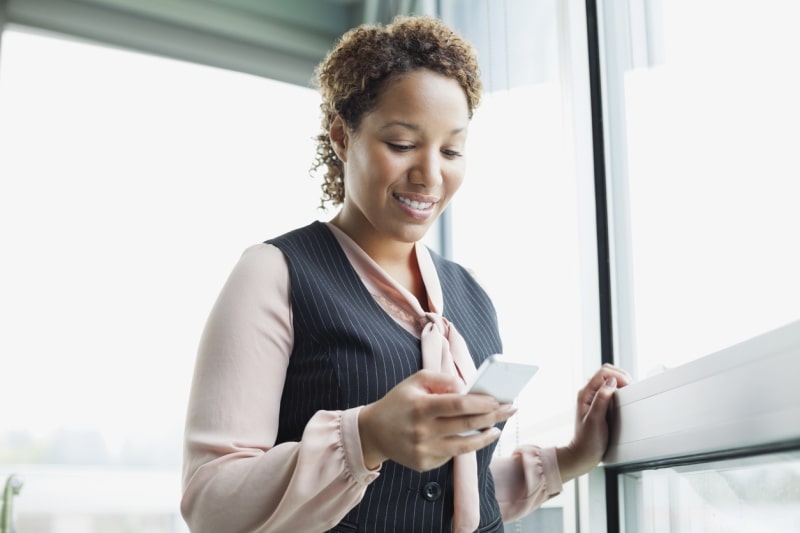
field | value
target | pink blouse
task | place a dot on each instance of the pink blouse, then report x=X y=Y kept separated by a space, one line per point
x=236 y=479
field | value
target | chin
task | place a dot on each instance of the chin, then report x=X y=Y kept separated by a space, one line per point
x=412 y=235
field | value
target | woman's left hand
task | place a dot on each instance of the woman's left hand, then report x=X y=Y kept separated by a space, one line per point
x=590 y=441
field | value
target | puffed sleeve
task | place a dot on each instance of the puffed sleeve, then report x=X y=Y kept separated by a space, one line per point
x=235 y=479
x=525 y=480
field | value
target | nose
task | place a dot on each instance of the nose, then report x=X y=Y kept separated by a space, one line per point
x=427 y=169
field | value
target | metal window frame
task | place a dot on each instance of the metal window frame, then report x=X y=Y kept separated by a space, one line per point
x=603 y=482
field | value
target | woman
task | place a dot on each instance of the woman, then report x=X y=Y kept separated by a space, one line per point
x=327 y=391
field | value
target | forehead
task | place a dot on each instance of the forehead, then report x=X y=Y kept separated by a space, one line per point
x=423 y=93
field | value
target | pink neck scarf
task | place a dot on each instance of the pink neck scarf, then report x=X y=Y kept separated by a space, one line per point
x=443 y=350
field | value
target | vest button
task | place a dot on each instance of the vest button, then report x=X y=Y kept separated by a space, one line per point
x=432 y=491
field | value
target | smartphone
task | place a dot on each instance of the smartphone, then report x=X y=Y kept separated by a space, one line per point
x=503 y=380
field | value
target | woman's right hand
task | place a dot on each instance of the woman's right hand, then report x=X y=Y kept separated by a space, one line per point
x=417 y=423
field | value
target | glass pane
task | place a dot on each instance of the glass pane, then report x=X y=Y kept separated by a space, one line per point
x=758 y=494
x=130 y=186
x=714 y=179
x=515 y=219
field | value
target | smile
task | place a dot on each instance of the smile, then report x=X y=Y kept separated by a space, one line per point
x=414 y=204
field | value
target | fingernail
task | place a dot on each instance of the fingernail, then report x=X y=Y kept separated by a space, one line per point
x=611 y=383
x=509 y=408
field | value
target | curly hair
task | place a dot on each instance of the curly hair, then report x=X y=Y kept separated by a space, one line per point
x=353 y=75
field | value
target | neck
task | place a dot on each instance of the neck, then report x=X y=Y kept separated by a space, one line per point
x=388 y=253
x=396 y=258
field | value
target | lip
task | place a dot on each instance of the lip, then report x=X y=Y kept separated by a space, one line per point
x=419 y=213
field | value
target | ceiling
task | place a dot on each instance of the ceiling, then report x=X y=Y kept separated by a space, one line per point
x=279 y=39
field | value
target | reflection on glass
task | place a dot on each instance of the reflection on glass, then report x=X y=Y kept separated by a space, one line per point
x=746 y=495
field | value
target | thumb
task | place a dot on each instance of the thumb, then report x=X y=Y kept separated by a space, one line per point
x=439 y=382
x=602 y=400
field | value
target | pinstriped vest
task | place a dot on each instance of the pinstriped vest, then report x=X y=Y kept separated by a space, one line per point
x=349 y=352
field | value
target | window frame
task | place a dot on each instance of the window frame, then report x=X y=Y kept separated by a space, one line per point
x=731 y=403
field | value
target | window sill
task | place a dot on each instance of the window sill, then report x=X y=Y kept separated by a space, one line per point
x=744 y=397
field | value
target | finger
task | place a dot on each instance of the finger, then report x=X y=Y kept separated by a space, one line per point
x=437 y=382
x=602 y=399
x=454 y=405
x=460 y=424
x=623 y=377
x=461 y=444
x=606 y=372
x=441 y=450
x=587 y=394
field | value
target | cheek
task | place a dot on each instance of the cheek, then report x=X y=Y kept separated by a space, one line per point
x=372 y=162
x=454 y=178
x=389 y=160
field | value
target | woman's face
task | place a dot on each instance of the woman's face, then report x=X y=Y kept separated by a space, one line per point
x=406 y=159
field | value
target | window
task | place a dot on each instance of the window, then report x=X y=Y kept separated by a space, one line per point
x=753 y=494
x=702 y=115
x=699 y=106
x=130 y=185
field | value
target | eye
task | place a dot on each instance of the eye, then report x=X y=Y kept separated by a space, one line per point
x=452 y=153
x=400 y=147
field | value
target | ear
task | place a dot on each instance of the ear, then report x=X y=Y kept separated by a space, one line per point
x=339 y=137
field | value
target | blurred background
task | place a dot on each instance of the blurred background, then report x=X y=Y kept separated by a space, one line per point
x=631 y=197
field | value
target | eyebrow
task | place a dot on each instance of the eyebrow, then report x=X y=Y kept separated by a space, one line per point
x=414 y=127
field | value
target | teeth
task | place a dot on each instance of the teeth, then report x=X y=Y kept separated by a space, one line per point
x=414 y=204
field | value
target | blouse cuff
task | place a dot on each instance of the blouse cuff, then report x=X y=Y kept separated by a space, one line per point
x=351 y=442
x=552 y=475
